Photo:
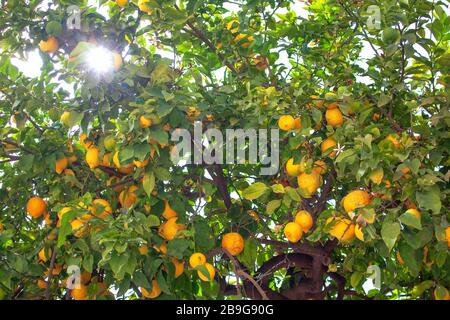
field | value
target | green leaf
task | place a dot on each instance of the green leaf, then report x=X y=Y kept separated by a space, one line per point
x=149 y=183
x=277 y=188
x=254 y=191
x=162 y=174
x=152 y=221
x=178 y=247
x=430 y=199
x=141 y=280
x=410 y=220
x=162 y=283
x=272 y=206
x=293 y=194
x=356 y=278
x=65 y=228
x=389 y=233
x=408 y=255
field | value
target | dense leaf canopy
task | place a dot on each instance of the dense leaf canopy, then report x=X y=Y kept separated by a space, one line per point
x=362 y=107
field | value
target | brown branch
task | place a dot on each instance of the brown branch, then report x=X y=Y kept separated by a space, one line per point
x=50 y=275
x=298 y=247
x=241 y=273
x=201 y=36
x=219 y=179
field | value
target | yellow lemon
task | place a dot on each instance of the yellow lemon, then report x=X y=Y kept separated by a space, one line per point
x=309 y=182
x=286 y=122
x=233 y=243
x=327 y=144
x=197 y=259
x=304 y=219
x=355 y=199
x=293 y=232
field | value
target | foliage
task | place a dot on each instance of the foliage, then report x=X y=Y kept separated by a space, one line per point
x=241 y=68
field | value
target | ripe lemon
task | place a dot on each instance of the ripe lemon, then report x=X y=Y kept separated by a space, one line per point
x=69 y=172
x=143 y=250
x=414 y=212
x=297 y=123
x=394 y=141
x=162 y=248
x=42 y=284
x=64 y=119
x=211 y=271
x=286 y=122
x=233 y=243
x=128 y=197
x=141 y=164
x=80 y=292
x=121 y=3
x=399 y=258
x=445 y=296
x=156 y=291
x=327 y=144
x=170 y=228
x=117 y=61
x=304 y=219
x=101 y=208
x=197 y=259
x=36 y=207
x=447 y=236
x=342 y=229
x=50 y=45
x=355 y=199
x=179 y=267
x=78 y=228
x=359 y=233
x=294 y=169
x=61 y=164
x=334 y=117
x=319 y=167
x=84 y=143
x=145 y=122
x=142 y=4
x=309 y=182
x=293 y=232
x=93 y=157
x=85 y=277
x=44 y=255
x=63 y=211
x=168 y=211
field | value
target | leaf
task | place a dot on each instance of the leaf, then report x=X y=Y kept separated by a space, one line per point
x=204 y=271
x=160 y=136
x=356 y=278
x=65 y=228
x=141 y=280
x=162 y=174
x=408 y=255
x=410 y=220
x=162 y=283
x=254 y=191
x=420 y=288
x=293 y=194
x=178 y=247
x=277 y=188
x=152 y=221
x=389 y=232
x=272 y=206
x=148 y=182
x=430 y=199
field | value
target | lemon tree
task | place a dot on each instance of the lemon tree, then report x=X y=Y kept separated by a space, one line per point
x=86 y=177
